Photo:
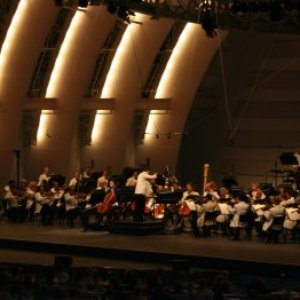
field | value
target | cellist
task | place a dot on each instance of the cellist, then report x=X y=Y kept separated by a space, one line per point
x=189 y=207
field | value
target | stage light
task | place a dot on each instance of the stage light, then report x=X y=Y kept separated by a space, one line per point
x=83 y=3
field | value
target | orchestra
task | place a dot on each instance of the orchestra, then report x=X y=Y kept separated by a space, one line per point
x=150 y=196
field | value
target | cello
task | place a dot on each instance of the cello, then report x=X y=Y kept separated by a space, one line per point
x=107 y=203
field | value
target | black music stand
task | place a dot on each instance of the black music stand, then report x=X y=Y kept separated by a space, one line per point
x=288 y=158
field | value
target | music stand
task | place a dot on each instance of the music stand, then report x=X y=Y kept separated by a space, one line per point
x=288 y=158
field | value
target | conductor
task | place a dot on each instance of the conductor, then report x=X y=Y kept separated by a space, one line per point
x=141 y=191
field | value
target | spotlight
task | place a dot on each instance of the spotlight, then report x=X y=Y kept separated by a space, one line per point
x=83 y=3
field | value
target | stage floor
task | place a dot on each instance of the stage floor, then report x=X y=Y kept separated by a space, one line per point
x=159 y=248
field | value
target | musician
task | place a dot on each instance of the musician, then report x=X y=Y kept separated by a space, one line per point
x=256 y=191
x=103 y=180
x=109 y=209
x=40 y=198
x=131 y=181
x=86 y=173
x=239 y=219
x=224 y=193
x=30 y=203
x=188 y=200
x=7 y=194
x=11 y=197
x=74 y=182
x=44 y=177
x=209 y=207
x=210 y=188
x=258 y=197
x=287 y=199
x=141 y=191
x=71 y=203
x=276 y=211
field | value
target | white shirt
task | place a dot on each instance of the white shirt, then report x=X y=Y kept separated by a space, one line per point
x=43 y=177
x=71 y=201
x=73 y=182
x=142 y=184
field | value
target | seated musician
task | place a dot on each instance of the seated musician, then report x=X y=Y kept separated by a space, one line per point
x=171 y=210
x=240 y=210
x=30 y=204
x=131 y=181
x=256 y=191
x=41 y=203
x=103 y=180
x=94 y=200
x=258 y=197
x=209 y=207
x=108 y=208
x=274 y=212
x=211 y=188
x=189 y=207
x=12 y=202
x=225 y=204
x=287 y=200
x=71 y=206
x=86 y=173
x=75 y=180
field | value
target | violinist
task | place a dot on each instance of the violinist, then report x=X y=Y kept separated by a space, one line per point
x=75 y=180
x=30 y=204
x=287 y=200
x=71 y=204
x=209 y=208
x=239 y=219
x=12 y=198
x=211 y=188
x=276 y=211
x=256 y=191
x=41 y=203
x=225 y=204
